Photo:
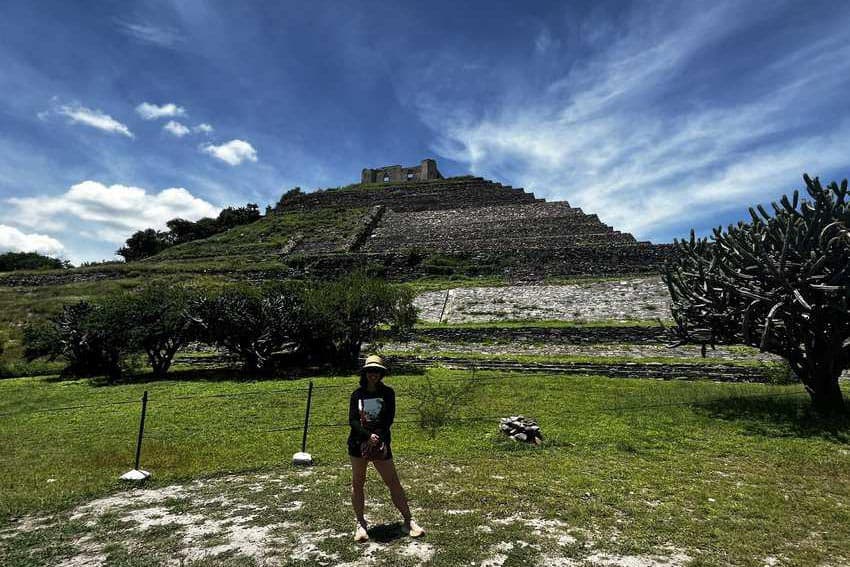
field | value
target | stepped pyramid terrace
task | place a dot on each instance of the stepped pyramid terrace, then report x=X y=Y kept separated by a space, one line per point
x=413 y=212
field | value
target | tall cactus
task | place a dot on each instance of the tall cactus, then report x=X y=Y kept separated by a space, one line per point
x=780 y=282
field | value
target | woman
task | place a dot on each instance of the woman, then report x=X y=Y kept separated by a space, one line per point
x=371 y=411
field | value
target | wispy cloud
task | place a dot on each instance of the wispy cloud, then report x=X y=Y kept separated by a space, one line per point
x=150 y=111
x=14 y=240
x=157 y=35
x=623 y=135
x=176 y=128
x=203 y=128
x=233 y=152
x=544 y=42
x=94 y=118
x=111 y=212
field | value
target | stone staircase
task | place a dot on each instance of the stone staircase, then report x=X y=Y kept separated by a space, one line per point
x=537 y=226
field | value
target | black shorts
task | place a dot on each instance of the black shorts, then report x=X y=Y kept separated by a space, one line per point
x=354 y=450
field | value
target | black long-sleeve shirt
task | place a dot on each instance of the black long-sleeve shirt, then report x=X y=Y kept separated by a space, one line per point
x=379 y=408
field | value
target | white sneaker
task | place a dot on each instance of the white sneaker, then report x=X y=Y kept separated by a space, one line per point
x=360 y=534
x=412 y=529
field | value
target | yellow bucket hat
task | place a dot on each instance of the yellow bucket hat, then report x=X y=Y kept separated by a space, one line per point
x=374 y=362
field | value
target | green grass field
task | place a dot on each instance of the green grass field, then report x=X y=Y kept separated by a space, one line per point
x=721 y=474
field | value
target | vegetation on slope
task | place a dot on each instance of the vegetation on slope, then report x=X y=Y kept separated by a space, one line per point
x=14 y=261
x=266 y=238
x=146 y=243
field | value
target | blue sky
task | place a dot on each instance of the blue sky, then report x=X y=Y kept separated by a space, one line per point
x=657 y=116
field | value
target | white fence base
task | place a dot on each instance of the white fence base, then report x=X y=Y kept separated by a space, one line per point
x=302 y=459
x=135 y=474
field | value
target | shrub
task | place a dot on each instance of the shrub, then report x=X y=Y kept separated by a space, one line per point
x=11 y=261
x=437 y=404
x=158 y=321
x=337 y=317
x=250 y=323
x=92 y=337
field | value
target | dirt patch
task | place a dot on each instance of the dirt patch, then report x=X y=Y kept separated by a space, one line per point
x=603 y=560
x=270 y=518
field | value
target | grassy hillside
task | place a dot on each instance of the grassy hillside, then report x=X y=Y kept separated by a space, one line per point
x=262 y=241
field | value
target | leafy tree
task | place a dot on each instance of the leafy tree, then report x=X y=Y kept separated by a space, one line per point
x=181 y=230
x=780 y=283
x=11 y=261
x=339 y=316
x=206 y=227
x=247 y=322
x=158 y=322
x=92 y=337
x=143 y=244
x=236 y=216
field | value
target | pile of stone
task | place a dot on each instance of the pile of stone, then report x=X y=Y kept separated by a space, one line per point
x=519 y=428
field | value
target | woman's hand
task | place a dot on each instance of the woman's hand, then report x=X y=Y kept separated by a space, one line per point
x=374 y=439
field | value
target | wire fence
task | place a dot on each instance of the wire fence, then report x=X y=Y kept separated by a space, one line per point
x=249 y=415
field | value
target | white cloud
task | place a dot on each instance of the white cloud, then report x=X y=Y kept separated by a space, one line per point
x=111 y=212
x=605 y=137
x=544 y=42
x=176 y=128
x=158 y=35
x=203 y=128
x=233 y=152
x=94 y=118
x=150 y=111
x=13 y=240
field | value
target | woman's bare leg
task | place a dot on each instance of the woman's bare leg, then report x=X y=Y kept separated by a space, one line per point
x=358 y=481
x=387 y=471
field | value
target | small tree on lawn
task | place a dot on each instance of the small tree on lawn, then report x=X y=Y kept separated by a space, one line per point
x=247 y=322
x=92 y=337
x=339 y=316
x=780 y=283
x=158 y=320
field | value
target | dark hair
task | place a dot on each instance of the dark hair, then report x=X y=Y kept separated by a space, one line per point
x=363 y=381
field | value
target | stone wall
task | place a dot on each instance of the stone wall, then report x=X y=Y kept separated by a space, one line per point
x=537 y=226
x=455 y=192
x=515 y=265
x=427 y=170
x=654 y=370
x=58 y=278
x=531 y=334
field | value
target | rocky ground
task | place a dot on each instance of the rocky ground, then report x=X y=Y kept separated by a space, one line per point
x=627 y=299
x=720 y=354
x=280 y=518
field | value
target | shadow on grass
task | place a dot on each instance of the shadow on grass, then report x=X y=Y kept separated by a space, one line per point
x=385 y=533
x=791 y=416
x=223 y=374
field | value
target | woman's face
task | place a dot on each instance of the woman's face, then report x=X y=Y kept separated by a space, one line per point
x=373 y=377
